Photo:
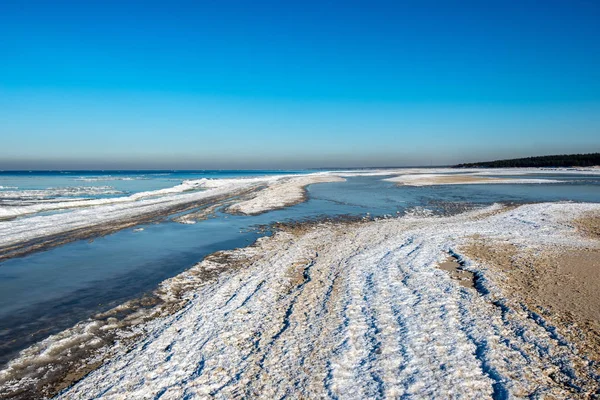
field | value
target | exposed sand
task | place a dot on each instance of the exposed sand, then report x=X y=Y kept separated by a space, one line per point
x=456 y=179
x=560 y=283
x=589 y=224
x=457 y=272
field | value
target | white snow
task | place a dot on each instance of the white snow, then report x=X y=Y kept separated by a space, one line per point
x=93 y=212
x=459 y=179
x=60 y=192
x=283 y=193
x=353 y=311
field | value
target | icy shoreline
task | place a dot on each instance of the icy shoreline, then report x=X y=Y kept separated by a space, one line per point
x=352 y=310
x=275 y=191
x=24 y=228
x=281 y=194
x=86 y=218
x=460 y=179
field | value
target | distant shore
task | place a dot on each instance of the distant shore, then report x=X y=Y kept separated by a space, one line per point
x=553 y=161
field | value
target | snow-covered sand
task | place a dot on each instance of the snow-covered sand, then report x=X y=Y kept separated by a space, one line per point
x=470 y=171
x=282 y=193
x=354 y=310
x=93 y=213
x=348 y=310
x=459 y=179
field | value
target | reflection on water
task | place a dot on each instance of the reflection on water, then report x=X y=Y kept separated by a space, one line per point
x=49 y=291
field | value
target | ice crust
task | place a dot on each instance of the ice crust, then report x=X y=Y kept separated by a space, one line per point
x=280 y=190
x=86 y=213
x=356 y=311
x=52 y=193
x=285 y=192
x=471 y=171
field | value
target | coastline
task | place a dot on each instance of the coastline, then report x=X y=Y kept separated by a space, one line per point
x=459 y=179
x=249 y=196
x=24 y=231
x=302 y=283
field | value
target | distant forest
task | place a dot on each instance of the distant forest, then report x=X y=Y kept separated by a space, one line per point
x=565 y=160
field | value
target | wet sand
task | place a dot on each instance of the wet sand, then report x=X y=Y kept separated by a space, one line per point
x=456 y=271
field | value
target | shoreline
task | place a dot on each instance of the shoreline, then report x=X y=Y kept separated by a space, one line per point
x=244 y=196
x=96 y=217
x=296 y=248
x=45 y=242
x=460 y=179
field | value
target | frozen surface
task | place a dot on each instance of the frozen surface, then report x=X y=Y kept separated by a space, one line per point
x=93 y=212
x=351 y=311
x=335 y=314
x=471 y=171
x=51 y=193
x=459 y=179
x=283 y=193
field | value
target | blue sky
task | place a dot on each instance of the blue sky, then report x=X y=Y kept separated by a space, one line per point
x=232 y=84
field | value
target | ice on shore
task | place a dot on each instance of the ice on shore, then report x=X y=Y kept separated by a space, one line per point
x=355 y=311
x=55 y=194
x=460 y=179
x=283 y=193
x=281 y=190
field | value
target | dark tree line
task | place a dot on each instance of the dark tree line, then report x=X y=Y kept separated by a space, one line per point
x=565 y=160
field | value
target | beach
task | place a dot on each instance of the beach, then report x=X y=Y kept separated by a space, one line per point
x=470 y=300
x=360 y=309
x=299 y=200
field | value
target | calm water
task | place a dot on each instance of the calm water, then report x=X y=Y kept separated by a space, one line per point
x=49 y=291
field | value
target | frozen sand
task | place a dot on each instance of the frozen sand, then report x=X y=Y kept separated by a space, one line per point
x=286 y=192
x=85 y=218
x=355 y=310
x=459 y=179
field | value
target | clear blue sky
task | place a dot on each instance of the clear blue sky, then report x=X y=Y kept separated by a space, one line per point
x=282 y=84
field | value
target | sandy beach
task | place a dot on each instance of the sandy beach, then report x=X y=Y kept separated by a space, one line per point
x=299 y=200
x=357 y=309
